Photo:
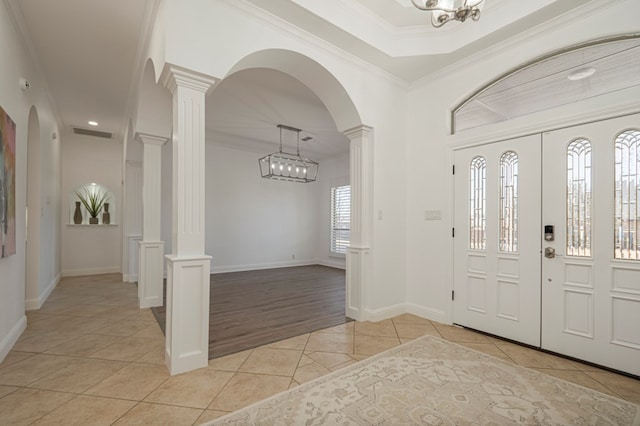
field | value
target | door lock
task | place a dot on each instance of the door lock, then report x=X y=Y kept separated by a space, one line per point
x=549 y=252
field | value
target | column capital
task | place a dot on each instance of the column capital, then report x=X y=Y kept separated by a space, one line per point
x=174 y=76
x=358 y=132
x=146 y=138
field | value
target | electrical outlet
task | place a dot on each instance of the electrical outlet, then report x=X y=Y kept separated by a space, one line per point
x=293 y=256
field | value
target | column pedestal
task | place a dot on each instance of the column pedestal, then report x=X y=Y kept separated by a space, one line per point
x=150 y=273
x=187 y=321
x=358 y=266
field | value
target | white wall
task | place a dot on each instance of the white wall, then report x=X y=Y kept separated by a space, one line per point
x=17 y=104
x=91 y=249
x=256 y=223
x=429 y=157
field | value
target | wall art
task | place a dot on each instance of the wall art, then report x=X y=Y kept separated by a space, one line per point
x=7 y=185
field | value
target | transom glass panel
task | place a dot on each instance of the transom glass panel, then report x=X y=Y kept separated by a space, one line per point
x=477 y=203
x=579 y=198
x=627 y=196
x=509 y=202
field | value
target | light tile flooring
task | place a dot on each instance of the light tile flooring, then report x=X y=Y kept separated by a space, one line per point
x=91 y=357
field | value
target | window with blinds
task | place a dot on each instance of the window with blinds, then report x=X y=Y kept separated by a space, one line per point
x=340 y=218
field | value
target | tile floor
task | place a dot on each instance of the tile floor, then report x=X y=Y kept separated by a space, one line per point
x=91 y=357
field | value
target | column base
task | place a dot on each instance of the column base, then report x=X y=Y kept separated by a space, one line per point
x=358 y=268
x=187 y=320
x=150 y=273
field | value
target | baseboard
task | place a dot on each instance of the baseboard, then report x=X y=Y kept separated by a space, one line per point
x=10 y=340
x=93 y=271
x=380 y=314
x=332 y=264
x=428 y=313
x=32 y=304
x=134 y=278
x=257 y=266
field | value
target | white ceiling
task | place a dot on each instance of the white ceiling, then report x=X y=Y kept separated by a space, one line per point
x=245 y=108
x=92 y=53
x=89 y=51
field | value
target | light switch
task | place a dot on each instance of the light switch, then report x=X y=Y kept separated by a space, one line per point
x=379 y=214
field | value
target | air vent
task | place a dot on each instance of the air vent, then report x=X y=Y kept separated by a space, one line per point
x=87 y=132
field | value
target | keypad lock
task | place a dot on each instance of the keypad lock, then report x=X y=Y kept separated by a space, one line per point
x=548 y=233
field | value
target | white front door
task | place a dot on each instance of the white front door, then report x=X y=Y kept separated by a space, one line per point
x=497 y=239
x=547 y=241
x=591 y=288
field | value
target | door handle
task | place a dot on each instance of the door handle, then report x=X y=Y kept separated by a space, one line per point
x=550 y=253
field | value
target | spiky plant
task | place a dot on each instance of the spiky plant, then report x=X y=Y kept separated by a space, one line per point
x=93 y=199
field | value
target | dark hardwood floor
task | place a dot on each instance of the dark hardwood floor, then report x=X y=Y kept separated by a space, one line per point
x=253 y=308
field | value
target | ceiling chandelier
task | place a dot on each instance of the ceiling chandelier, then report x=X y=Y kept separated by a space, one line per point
x=443 y=11
x=285 y=166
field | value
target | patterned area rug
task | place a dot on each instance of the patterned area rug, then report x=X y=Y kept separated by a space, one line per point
x=431 y=381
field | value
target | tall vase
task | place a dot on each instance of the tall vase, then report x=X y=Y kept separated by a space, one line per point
x=77 y=214
x=106 y=216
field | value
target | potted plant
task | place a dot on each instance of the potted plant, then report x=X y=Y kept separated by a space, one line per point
x=93 y=199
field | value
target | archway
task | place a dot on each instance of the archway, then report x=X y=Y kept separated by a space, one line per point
x=347 y=119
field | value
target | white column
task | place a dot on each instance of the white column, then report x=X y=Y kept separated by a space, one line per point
x=151 y=248
x=188 y=268
x=359 y=252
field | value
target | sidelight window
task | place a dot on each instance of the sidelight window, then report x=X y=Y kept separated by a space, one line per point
x=627 y=195
x=509 y=202
x=579 y=198
x=477 y=204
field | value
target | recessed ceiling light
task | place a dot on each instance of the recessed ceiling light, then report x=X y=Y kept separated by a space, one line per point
x=581 y=74
x=93 y=123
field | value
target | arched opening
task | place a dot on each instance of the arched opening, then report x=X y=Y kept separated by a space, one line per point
x=258 y=224
x=313 y=75
x=32 y=290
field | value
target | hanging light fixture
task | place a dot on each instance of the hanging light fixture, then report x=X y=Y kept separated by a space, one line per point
x=285 y=166
x=443 y=11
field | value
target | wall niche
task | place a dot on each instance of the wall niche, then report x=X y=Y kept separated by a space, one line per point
x=91 y=204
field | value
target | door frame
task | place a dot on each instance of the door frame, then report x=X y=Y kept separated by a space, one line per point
x=500 y=133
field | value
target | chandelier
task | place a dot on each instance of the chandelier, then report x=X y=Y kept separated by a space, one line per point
x=443 y=11
x=285 y=166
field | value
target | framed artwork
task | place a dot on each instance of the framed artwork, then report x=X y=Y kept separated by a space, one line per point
x=7 y=185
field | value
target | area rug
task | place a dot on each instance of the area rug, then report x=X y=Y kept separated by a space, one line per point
x=430 y=381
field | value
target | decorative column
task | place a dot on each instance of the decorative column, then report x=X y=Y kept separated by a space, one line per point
x=188 y=268
x=359 y=252
x=151 y=248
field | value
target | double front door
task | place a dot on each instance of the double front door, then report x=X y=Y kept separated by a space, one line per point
x=547 y=241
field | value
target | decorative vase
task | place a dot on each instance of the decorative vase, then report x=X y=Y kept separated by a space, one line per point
x=106 y=216
x=93 y=220
x=77 y=214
